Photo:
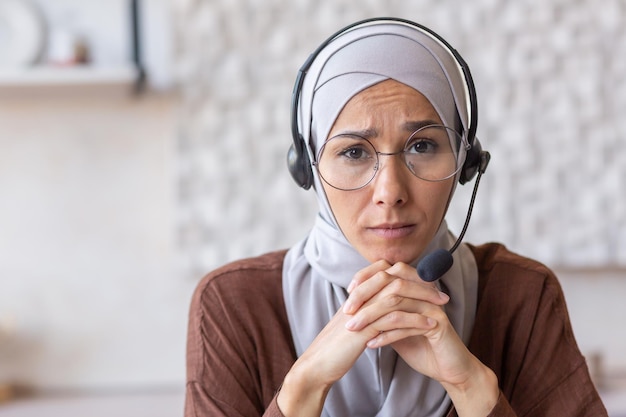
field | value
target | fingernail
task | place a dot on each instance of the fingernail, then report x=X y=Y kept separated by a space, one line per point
x=351 y=324
x=347 y=307
x=351 y=286
x=431 y=322
x=444 y=296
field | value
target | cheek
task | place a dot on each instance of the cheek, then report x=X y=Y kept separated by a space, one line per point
x=345 y=205
x=436 y=198
x=348 y=209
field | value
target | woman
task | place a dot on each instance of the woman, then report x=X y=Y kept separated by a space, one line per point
x=342 y=324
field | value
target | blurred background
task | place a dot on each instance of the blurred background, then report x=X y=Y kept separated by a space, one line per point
x=143 y=142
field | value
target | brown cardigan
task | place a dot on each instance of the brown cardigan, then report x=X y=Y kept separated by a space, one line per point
x=239 y=345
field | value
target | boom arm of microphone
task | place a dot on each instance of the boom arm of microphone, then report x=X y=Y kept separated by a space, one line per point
x=435 y=264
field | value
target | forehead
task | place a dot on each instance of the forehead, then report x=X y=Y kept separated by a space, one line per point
x=386 y=102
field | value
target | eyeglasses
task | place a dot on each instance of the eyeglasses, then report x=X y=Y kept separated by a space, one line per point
x=349 y=162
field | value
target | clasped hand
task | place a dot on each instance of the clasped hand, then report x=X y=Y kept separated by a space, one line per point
x=394 y=305
x=389 y=305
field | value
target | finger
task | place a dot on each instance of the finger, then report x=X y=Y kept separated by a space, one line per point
x=401 y=328
x=397 y=320
x=386 y=310
x=366 y=273
x=399 y=295
x=409 y=273
x=401 y=325
x=390 y=290
x=366 y=290
x=388 y=338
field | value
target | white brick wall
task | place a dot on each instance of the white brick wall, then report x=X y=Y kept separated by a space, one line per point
x=551 y=81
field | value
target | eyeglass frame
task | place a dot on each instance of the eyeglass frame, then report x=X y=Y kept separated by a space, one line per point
x=459 y=164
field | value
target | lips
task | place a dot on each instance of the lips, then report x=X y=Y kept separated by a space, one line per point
x=392 y=230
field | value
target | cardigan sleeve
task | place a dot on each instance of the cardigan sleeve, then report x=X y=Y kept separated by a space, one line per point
x=502 y=408
x=218 y=379
x=547 y=376
x=554 y=379
x=238 y=342
x=198 y=403
x=523 y=333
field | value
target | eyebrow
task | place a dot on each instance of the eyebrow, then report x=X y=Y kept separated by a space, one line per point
x=413 y=126
x=370 y=133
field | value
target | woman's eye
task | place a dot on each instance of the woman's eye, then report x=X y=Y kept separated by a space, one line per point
x=423 y=146
x=354 y=153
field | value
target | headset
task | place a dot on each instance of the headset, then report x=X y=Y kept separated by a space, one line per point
x=298 y=161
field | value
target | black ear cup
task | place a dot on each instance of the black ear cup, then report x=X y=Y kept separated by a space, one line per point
x=472 y=162
x=299 y=165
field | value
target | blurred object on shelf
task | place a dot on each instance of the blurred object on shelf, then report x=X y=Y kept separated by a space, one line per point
x=91 y=42
x=22 y=33
x=66 y=48
x=68 y=43
x=81 y=50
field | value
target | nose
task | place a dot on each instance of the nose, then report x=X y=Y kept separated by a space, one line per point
x=390 y=183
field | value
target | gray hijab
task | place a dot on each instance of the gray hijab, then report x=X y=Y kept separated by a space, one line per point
x=318 y=269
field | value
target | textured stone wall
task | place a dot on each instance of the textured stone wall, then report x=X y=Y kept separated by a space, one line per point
x=551 y=81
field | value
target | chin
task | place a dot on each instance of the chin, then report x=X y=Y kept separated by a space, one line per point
x=392 y=256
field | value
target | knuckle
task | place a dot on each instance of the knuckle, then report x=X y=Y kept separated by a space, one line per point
x=392 y=300
x=382 y=264
x=397 y=286
x=438 y=314
x=383 y=276
x=394 y=317
x=360 y=276
x=382 y=337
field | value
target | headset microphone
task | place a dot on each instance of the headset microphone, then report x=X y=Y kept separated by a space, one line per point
x=437 y=263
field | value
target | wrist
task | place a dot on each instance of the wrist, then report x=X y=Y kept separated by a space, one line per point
x=301 y=395
x=477 y=395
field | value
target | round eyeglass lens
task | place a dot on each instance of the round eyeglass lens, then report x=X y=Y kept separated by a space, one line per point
x=431 y=153
x=350 y=162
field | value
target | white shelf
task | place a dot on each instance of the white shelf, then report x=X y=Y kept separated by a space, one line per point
x=48 y=76
x=41 y=82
